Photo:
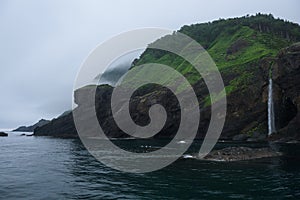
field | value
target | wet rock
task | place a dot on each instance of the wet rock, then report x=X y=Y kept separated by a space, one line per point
x=240 y=153
x=240 y=137
x=2 y=134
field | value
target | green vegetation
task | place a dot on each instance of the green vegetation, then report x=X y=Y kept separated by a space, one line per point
x=236 y=45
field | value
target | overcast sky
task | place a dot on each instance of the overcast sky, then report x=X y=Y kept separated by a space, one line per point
x=43 y=43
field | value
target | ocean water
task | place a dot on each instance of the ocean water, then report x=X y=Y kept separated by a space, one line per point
x=52 y=168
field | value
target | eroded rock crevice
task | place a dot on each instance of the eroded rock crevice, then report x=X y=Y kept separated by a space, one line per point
x=286 y=73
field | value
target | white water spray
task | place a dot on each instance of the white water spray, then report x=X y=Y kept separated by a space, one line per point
x=271 y=116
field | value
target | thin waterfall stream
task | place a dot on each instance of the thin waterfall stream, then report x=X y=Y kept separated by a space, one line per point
x=271 y=114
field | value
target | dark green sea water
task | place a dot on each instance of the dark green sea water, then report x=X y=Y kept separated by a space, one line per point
x=50 y=168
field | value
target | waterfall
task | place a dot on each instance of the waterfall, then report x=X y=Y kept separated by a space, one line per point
x=271 y=117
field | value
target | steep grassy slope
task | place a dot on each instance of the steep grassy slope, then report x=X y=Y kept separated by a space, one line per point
x=236 y=45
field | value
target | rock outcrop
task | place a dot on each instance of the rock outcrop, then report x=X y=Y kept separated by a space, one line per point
x=31 y=128
x=231 y=154
x=61 y=127
x=2 y=134
x=286 y=76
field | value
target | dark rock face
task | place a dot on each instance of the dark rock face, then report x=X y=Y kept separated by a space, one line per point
x=286 y=75
x=2 y=134
x=240 y=137
x=246 y=108
x=60 y=127
x=40 y=123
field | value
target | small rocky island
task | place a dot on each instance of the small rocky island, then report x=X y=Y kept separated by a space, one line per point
x=230 y=154
x=2 y=134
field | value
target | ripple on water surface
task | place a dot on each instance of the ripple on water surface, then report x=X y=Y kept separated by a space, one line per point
x=51 y=168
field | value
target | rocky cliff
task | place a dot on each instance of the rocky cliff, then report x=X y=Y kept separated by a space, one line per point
x=31 y=128
x=247 y=106
x=286 y=75
x=245 y=51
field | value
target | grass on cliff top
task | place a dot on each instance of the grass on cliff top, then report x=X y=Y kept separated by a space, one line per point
x=259 y=45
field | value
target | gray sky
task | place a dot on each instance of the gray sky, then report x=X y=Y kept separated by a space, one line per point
x=43 y=43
